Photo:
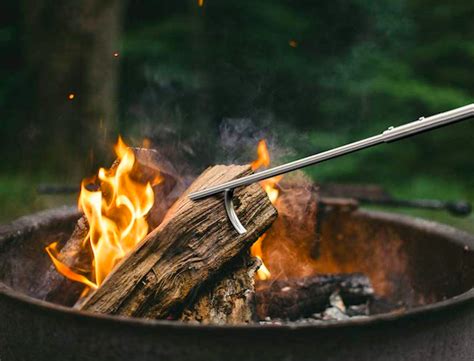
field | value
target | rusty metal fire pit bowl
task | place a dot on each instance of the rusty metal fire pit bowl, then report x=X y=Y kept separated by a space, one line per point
x=425 y=267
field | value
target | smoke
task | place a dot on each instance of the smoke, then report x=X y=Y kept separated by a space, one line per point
x=234 y=142
x=238 y=139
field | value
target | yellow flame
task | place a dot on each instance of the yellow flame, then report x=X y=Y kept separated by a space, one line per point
x=116 y=214
x=263 y=156
x=270 y=186
x=256 y=250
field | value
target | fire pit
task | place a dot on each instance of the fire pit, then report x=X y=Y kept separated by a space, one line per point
x=425 y=268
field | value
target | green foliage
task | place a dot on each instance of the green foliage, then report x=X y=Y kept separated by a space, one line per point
x=331 y=72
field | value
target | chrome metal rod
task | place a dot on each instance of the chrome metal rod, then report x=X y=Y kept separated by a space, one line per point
x=391 y=134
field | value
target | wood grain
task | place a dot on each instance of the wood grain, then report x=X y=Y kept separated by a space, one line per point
x=228 y=300
x=192 y=244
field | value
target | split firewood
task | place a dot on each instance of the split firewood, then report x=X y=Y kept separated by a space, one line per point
x=168 y=185
x=296 y=298
x=75 y=254
x=192 y=245
x=228 y=300
x=296 y=221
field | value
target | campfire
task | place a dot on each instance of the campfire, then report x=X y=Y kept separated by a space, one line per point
x=334 y=274
x=154 y=261
x=143 y=249
x=151 y=246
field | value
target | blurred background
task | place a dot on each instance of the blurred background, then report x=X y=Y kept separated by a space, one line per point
x=204 y=80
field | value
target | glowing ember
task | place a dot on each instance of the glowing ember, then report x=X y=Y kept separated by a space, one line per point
x=146 y=143
x=116 y=54
x=201 y=3
x=270 y=186
x=71 y=96
x=116 y=214
x=293 y=43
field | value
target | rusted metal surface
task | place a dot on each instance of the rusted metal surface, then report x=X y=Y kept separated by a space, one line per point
x=437 y=262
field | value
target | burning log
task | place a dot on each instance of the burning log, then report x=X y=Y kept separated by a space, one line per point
x=230 y=299
x=150 y=166
x=55 y=287
x=191 y=246
x=296 y=298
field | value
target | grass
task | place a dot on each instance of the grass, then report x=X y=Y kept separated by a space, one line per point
x=18 y=196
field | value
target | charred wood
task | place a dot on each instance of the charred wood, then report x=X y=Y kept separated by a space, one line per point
x=229 y=299
x=296 y=298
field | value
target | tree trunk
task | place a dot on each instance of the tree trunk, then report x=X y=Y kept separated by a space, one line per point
x=72 y=53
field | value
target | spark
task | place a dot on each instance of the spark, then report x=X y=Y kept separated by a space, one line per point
x=293 y=43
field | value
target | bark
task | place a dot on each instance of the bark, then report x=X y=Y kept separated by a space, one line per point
x=192 y=245
x=229 y=300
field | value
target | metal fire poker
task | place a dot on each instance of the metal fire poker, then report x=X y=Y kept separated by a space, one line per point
x=390 y=135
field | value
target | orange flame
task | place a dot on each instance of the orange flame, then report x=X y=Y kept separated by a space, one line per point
x=256 y=250
x=65 y=270
x=116 y=215
x=263 y=156
x=270 y=186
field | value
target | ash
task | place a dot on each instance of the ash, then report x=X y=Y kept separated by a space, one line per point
x=335 y=311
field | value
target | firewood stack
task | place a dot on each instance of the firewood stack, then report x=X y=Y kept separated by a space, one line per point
x=194 y=266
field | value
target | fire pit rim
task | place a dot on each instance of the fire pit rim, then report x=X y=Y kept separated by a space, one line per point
x=462 y=238
x=459 y=300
